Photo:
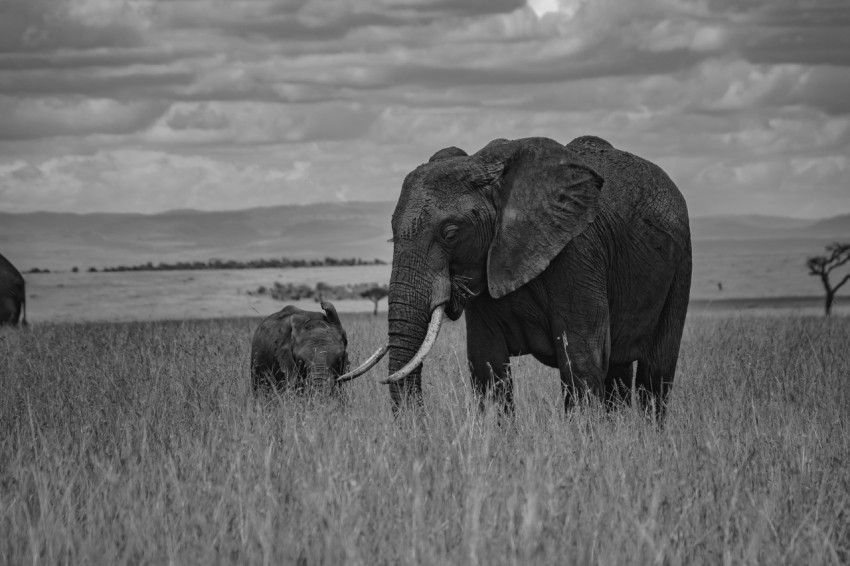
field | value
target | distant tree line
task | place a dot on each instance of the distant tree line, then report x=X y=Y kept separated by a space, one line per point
x=276 y=263
x=322 y=292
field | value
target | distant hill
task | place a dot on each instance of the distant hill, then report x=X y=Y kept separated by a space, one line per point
x=837 y=227
x=60 y=241
x=754 y=227
x=723 y=245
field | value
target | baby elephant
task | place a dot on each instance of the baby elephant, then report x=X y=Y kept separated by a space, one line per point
x=299 y=350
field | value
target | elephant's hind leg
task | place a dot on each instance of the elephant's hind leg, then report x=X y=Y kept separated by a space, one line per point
x=657 y=367
x=10 y=311
x=583 y=364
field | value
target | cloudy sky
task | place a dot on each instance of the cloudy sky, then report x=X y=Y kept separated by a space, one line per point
x=150 y=105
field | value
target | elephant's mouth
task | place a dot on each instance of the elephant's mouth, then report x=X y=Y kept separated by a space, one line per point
x=461 y=295
x=454 y=310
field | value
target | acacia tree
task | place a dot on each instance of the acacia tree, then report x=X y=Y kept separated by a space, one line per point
x=822 y=265
x=375 y=294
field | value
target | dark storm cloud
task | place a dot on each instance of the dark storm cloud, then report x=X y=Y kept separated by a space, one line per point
x=201 y=117
x=793 y=13
x=318 y=21
x=802 y=45
x=75 y=116
x=555 y=71
x=413 y=9
x=466 y=8
x=135 y=83
x=286 y=27
x=825 y=88
x=789 y=31
x=118 y=57
x=49 y=25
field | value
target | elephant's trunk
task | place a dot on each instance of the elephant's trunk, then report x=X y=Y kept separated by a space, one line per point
x=424 y=349
x=412 y=300
x=406 y=333
x=321 y=378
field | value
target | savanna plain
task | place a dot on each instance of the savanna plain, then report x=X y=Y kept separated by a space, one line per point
x=140 y=442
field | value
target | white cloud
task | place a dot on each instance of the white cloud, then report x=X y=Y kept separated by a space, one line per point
x=245 y=123
x=148 y=181
x=152 y=105
x=543 y=7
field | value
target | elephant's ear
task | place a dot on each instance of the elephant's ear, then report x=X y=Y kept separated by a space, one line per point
x=330 y=313
x=447 y=153
x=545 y=197
x=284 y=338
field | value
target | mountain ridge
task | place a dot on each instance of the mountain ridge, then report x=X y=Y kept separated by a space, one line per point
x=356 y=229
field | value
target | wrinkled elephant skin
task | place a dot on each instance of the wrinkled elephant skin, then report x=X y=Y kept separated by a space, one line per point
x=13 y=297
x=579 y=255
x=299 y=350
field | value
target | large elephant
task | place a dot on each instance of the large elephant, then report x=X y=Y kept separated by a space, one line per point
x=299 y=350
x=13 y=297
x=579 y=255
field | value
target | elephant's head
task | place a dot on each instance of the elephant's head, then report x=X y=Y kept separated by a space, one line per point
x=318 y=346
x=471 y=224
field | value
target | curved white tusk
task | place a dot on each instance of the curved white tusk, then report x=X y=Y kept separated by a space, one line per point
x=366 y=366
x=427 y=344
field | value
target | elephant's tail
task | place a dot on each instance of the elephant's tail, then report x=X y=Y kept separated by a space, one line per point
x=24 y=310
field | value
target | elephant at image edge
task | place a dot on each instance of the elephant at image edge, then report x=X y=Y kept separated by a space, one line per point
x=299 y=349
x=579 y=255
x=13 y=298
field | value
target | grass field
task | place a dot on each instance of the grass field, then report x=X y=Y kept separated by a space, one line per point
x=140 y=443
x=750 y=281
x=177 y=295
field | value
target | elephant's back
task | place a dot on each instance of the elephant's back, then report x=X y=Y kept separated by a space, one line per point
x=9 y=272
x=636 y=189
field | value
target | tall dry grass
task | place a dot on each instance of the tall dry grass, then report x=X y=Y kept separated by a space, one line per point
x=141 y=443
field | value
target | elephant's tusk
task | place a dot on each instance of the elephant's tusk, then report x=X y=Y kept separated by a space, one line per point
x=427 y=344
x=366 y=366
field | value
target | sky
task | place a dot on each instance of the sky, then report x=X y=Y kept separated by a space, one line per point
x=152 y=105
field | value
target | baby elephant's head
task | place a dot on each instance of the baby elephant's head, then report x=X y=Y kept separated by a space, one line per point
x=319 y=347
x=299 y=350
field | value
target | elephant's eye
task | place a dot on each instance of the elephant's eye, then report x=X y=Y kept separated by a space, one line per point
x=449 y=233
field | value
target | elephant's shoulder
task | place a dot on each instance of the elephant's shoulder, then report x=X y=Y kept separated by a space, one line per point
x=275 y=323
x=289 y=310
x=583 y=144
x=284 y=313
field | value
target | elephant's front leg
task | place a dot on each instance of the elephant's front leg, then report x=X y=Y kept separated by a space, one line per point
x=489 y=363
x=583 y=362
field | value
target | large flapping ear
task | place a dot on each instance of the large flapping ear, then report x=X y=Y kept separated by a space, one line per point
x=545 y=197
x=284 y=335
x=330 y=313
x=447 y=153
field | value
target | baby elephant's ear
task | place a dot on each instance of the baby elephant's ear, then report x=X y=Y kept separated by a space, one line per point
x=447 y=153
x=545 y=197
x=330 y=313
